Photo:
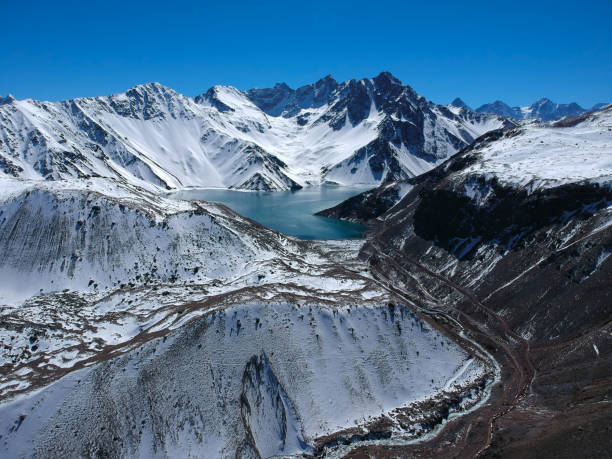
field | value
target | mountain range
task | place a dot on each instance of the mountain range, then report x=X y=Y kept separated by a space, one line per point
x=542 y=109
x=356 y=132
x=472 y=320
x=513 y=237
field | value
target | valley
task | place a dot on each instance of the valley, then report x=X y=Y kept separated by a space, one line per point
x=289 y=315
x=165 y=290
x=518 y=263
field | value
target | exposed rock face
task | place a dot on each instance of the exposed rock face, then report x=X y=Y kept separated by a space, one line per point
x=7 y=100
x=267 y=412
x=356 y=132
x=447 y=217
x=457 y=102
x=368 y=205
x=525 y=263
x=281 y=100
x=271 y=176
x=253 y=380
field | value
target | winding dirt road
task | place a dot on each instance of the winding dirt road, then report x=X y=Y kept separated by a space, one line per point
x=522 y=366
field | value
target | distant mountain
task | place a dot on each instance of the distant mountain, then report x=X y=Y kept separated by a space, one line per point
x=599 y=106
x=460 y=104
x=7 y=100
x=543 y=109
x=547 y=110
x=500 y=108
x=281 y=100
x=357 y=132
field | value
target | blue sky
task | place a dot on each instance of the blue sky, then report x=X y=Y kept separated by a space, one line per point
x=481 y=51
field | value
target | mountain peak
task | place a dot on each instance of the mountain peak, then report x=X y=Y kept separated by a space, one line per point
x=327 y=80
x=598 y=106
x=387 y=77
x=7 y=100
x=214 y=95
x=498 y=104
x=542 y=101
x=150 y=87
x=460 y=104
x=542 y=109
x=284 y=86
x=500 y=108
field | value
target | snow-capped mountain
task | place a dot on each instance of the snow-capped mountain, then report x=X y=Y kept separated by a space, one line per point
x=380 y=128
x=459 y=103
x=514 y=233
x=542 y=109
x=153 y=327
x=356 y=132
x=147 y=135
x=527 y=159
x=599 y=106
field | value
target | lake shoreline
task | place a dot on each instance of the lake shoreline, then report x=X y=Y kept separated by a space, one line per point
x=290 y=212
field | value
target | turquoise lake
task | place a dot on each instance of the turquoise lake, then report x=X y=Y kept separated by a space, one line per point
x=290 y=212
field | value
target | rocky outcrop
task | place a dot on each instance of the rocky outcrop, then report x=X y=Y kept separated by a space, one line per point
x=254 y=380
x=268 y=415
x=523 y=264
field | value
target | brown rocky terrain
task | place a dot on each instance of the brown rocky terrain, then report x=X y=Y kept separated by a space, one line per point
x=524 y=273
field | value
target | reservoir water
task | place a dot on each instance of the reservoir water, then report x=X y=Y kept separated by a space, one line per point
x=290 y=212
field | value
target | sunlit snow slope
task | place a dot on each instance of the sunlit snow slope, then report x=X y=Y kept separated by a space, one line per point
x=356 y=132
x=255 y=380
x=139 y=326
x=573 y=151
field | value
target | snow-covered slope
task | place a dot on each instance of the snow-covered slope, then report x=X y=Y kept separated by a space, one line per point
x=536 y=157
x=363 y=131
x=65 y=236
x=542 y=109
x=139 y=326
x=576 y=151
x=149 y=134
x=253 y=380
x=89 y=266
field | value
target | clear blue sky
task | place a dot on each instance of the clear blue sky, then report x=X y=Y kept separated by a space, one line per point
x=481 y=51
